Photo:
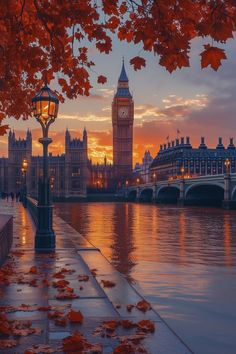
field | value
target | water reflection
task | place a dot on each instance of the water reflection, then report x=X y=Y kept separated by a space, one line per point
x=182 y=259
x=129 y=233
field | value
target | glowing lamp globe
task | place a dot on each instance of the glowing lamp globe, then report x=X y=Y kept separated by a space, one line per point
x=45 y=106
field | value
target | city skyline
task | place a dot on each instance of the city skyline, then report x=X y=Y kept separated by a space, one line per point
x=197 y=102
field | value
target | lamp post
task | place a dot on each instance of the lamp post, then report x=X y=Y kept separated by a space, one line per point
x=182 y=171
x=227 y=166
x=24 y=167
x=45 y=109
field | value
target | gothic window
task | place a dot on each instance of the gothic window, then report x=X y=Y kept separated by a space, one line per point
x=75 y=171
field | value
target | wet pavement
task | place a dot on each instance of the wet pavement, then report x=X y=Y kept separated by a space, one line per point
x=79 y=278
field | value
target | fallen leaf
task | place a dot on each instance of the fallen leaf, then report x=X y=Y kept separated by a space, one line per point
x=110 y=325
x=146 y=326
x=75 y=316
x=83 y=277
x=108 y=283
x=143 y=306
x=8 y=343
x=33 y=270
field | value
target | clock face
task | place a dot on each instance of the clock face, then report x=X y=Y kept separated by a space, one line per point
x=123 y=112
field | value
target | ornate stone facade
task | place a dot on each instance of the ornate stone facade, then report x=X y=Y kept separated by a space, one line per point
x=72 y=173
x=68 y=172
x=179 y=158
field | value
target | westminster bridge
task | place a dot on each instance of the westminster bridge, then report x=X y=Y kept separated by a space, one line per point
x=198 y=190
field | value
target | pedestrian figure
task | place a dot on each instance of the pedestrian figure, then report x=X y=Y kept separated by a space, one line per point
x=12 y=196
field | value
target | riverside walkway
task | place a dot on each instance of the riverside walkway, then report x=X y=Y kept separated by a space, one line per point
x=45 y=299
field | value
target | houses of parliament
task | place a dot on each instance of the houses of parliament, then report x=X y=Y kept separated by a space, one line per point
x=72 y=174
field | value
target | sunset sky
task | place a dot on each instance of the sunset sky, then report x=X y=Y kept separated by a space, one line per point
x=197 y=102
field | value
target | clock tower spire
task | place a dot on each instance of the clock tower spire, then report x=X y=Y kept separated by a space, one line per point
x=122 y=123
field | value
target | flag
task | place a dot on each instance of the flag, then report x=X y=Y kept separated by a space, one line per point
x=167 y=138
x=178 y=131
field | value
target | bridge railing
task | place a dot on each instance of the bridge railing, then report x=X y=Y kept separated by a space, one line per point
x=32 y=205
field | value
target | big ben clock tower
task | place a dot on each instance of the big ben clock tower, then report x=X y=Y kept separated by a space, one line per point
x=122 y=122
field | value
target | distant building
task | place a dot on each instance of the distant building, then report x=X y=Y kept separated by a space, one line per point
x=145 y=167
x=180 y=158
x=72 y=174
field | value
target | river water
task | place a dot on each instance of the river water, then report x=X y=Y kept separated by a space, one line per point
x=182 y=259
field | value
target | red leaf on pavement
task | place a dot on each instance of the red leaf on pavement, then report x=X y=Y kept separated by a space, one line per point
x=128 y=324
x=143 y=306
x=60 y=283
x=60 y=322
x=129 y=307
x=83 y=277
x=76 y=343
x=7 y=343
x=108 y=283
x=110 y=325
x=33 y=270
x=146 y=326
x=75 y=316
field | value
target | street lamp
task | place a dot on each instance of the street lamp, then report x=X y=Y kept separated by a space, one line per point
x=182 y=171
x=227 y=166
x=126 y=183
x=24 y=167
x=137 y=180
x=45 y=109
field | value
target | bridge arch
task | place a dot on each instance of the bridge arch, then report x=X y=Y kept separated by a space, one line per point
x=168 y=194
x=132 y=195
x=146 y=195
x=205 y=194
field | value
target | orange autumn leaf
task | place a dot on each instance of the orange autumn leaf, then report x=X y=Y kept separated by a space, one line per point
x=60 y=322
x=129 y=308
x=123 y=8
x=33 y=270
x=45 y=282
x=138 y=62
x=146 y=326
x=128 y=324
x=129 y=348
x=143 y=306
x=101 y=79
x=55 y=314
x=44 y=308
x=83 y=277
x=3 y=129
x=76 y=343
x=66 y=296
x=110 y=325
x=60 y=283
x=212 y=56
x=108 y=283
x=7 y=343
x=94 y=271
x=75 y=317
